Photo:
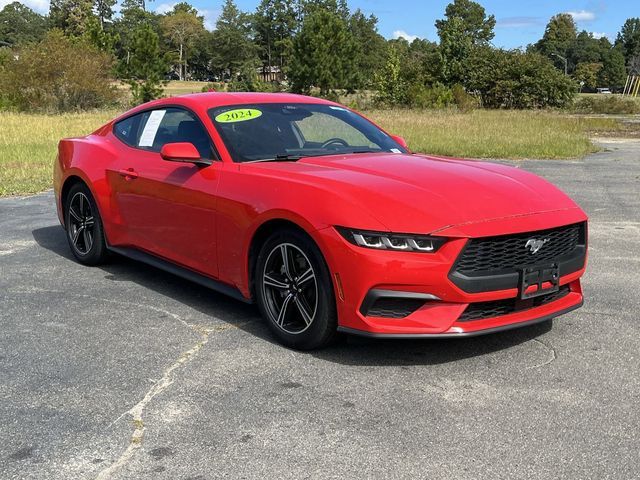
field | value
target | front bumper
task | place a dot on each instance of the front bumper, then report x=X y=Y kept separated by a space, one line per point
x=358 y=271
x=462 y=334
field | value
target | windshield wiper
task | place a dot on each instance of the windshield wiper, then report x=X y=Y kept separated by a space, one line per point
x=279 y=158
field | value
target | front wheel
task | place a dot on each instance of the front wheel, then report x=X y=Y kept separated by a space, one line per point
x=294 y=291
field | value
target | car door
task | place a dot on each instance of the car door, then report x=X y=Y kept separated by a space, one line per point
x=167 y=208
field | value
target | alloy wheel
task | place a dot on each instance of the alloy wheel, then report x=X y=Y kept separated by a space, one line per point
x=290 y=288
x=81 y=223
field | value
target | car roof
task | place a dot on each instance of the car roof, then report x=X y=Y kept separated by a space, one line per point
x=219 y=99
x=205 y=101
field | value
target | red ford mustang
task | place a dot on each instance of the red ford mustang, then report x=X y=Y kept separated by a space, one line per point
x=323 y=219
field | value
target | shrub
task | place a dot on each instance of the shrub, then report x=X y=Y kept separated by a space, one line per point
x=512 y=79
x=390 y=87
x=214 y=87
x=57 y=75
x=609 y=104
x=247 y=81
x=436 y=96
x=463 y=100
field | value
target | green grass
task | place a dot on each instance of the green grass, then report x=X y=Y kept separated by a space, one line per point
x=28 y=146
x=494 y=133
x=182 y=88
x=28 y=142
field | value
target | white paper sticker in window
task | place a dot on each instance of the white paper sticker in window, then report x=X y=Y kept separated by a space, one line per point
x=395 y=150
x=151 y=128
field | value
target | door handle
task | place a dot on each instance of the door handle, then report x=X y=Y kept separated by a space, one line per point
x=128 y=173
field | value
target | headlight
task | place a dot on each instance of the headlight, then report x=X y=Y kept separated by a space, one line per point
x=392 y=241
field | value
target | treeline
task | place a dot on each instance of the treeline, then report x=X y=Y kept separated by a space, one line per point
x=69 y=58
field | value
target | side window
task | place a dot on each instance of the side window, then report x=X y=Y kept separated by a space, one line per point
x=152 y=129
x=127 y=129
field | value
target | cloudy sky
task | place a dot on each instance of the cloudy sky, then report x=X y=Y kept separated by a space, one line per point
x=519 y=22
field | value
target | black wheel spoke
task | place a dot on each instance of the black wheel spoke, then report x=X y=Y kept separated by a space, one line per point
x=275 y=283
x=284 y=251
x=304 y=309
x=75 y=215
x=76 y=235
x=306 y=277
x=282 y=315
x=88 y=241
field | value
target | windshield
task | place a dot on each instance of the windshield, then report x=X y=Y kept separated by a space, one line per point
x=278 y=131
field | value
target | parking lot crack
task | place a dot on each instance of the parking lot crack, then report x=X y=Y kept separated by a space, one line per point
x=166 y=380
x=137 y=411
x=553 y=354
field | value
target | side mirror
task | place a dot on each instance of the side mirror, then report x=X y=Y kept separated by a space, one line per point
x=400 y=141
x=182 y=152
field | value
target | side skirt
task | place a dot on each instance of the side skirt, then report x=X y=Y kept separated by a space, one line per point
x=182 y=272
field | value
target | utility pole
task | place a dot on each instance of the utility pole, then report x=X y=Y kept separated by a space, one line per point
x=562 y=58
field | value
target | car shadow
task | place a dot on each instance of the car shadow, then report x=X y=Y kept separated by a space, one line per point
x=348 y=350
x=362 y=351
x=201 y=299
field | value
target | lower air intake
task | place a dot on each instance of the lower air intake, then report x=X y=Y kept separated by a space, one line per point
x=497 y=308
x=394 y=307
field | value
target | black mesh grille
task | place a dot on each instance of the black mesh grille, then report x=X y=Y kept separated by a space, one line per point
x=497 y=308
x=389 y=307
x=508 y=252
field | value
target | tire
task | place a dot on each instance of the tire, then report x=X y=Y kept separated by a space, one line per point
x=297 y=301
x=85 y=233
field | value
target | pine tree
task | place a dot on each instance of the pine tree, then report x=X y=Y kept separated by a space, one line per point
x=146 y=65
x=233 y=48
x=370 y=47
x=629 y=41
x=275 y=24
x=323 y=54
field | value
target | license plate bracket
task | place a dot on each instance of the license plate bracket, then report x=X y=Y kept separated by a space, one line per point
x=539 y=275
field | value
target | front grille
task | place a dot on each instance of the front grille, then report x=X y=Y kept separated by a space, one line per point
x=497 y=308
x=495 y=263
x=508 y=252
x=389 y=307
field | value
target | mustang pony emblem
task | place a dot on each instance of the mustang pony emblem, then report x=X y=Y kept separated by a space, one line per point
x=534 y=244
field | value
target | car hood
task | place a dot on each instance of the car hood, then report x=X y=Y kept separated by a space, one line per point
x=424 y=194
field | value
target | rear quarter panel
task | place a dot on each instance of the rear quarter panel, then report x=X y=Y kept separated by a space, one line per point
x=85 y=158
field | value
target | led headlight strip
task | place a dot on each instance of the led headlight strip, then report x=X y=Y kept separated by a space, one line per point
x=392 y=241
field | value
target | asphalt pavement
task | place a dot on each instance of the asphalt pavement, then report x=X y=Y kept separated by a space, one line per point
x=125 y=372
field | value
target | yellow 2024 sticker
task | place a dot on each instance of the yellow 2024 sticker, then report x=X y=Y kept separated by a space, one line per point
x=238 y=115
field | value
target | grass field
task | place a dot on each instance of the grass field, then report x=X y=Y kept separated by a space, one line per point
x=28 y=142
x=28 y=146
x=182 y=88
x=495 y=133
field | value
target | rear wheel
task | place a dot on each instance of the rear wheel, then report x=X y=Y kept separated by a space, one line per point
x=294 y=291
x=84 y=226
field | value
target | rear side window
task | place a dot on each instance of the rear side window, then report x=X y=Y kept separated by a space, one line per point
x=127 y=129
x=152 y=129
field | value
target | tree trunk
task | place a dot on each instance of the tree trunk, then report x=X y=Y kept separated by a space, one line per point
x=180 y=75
